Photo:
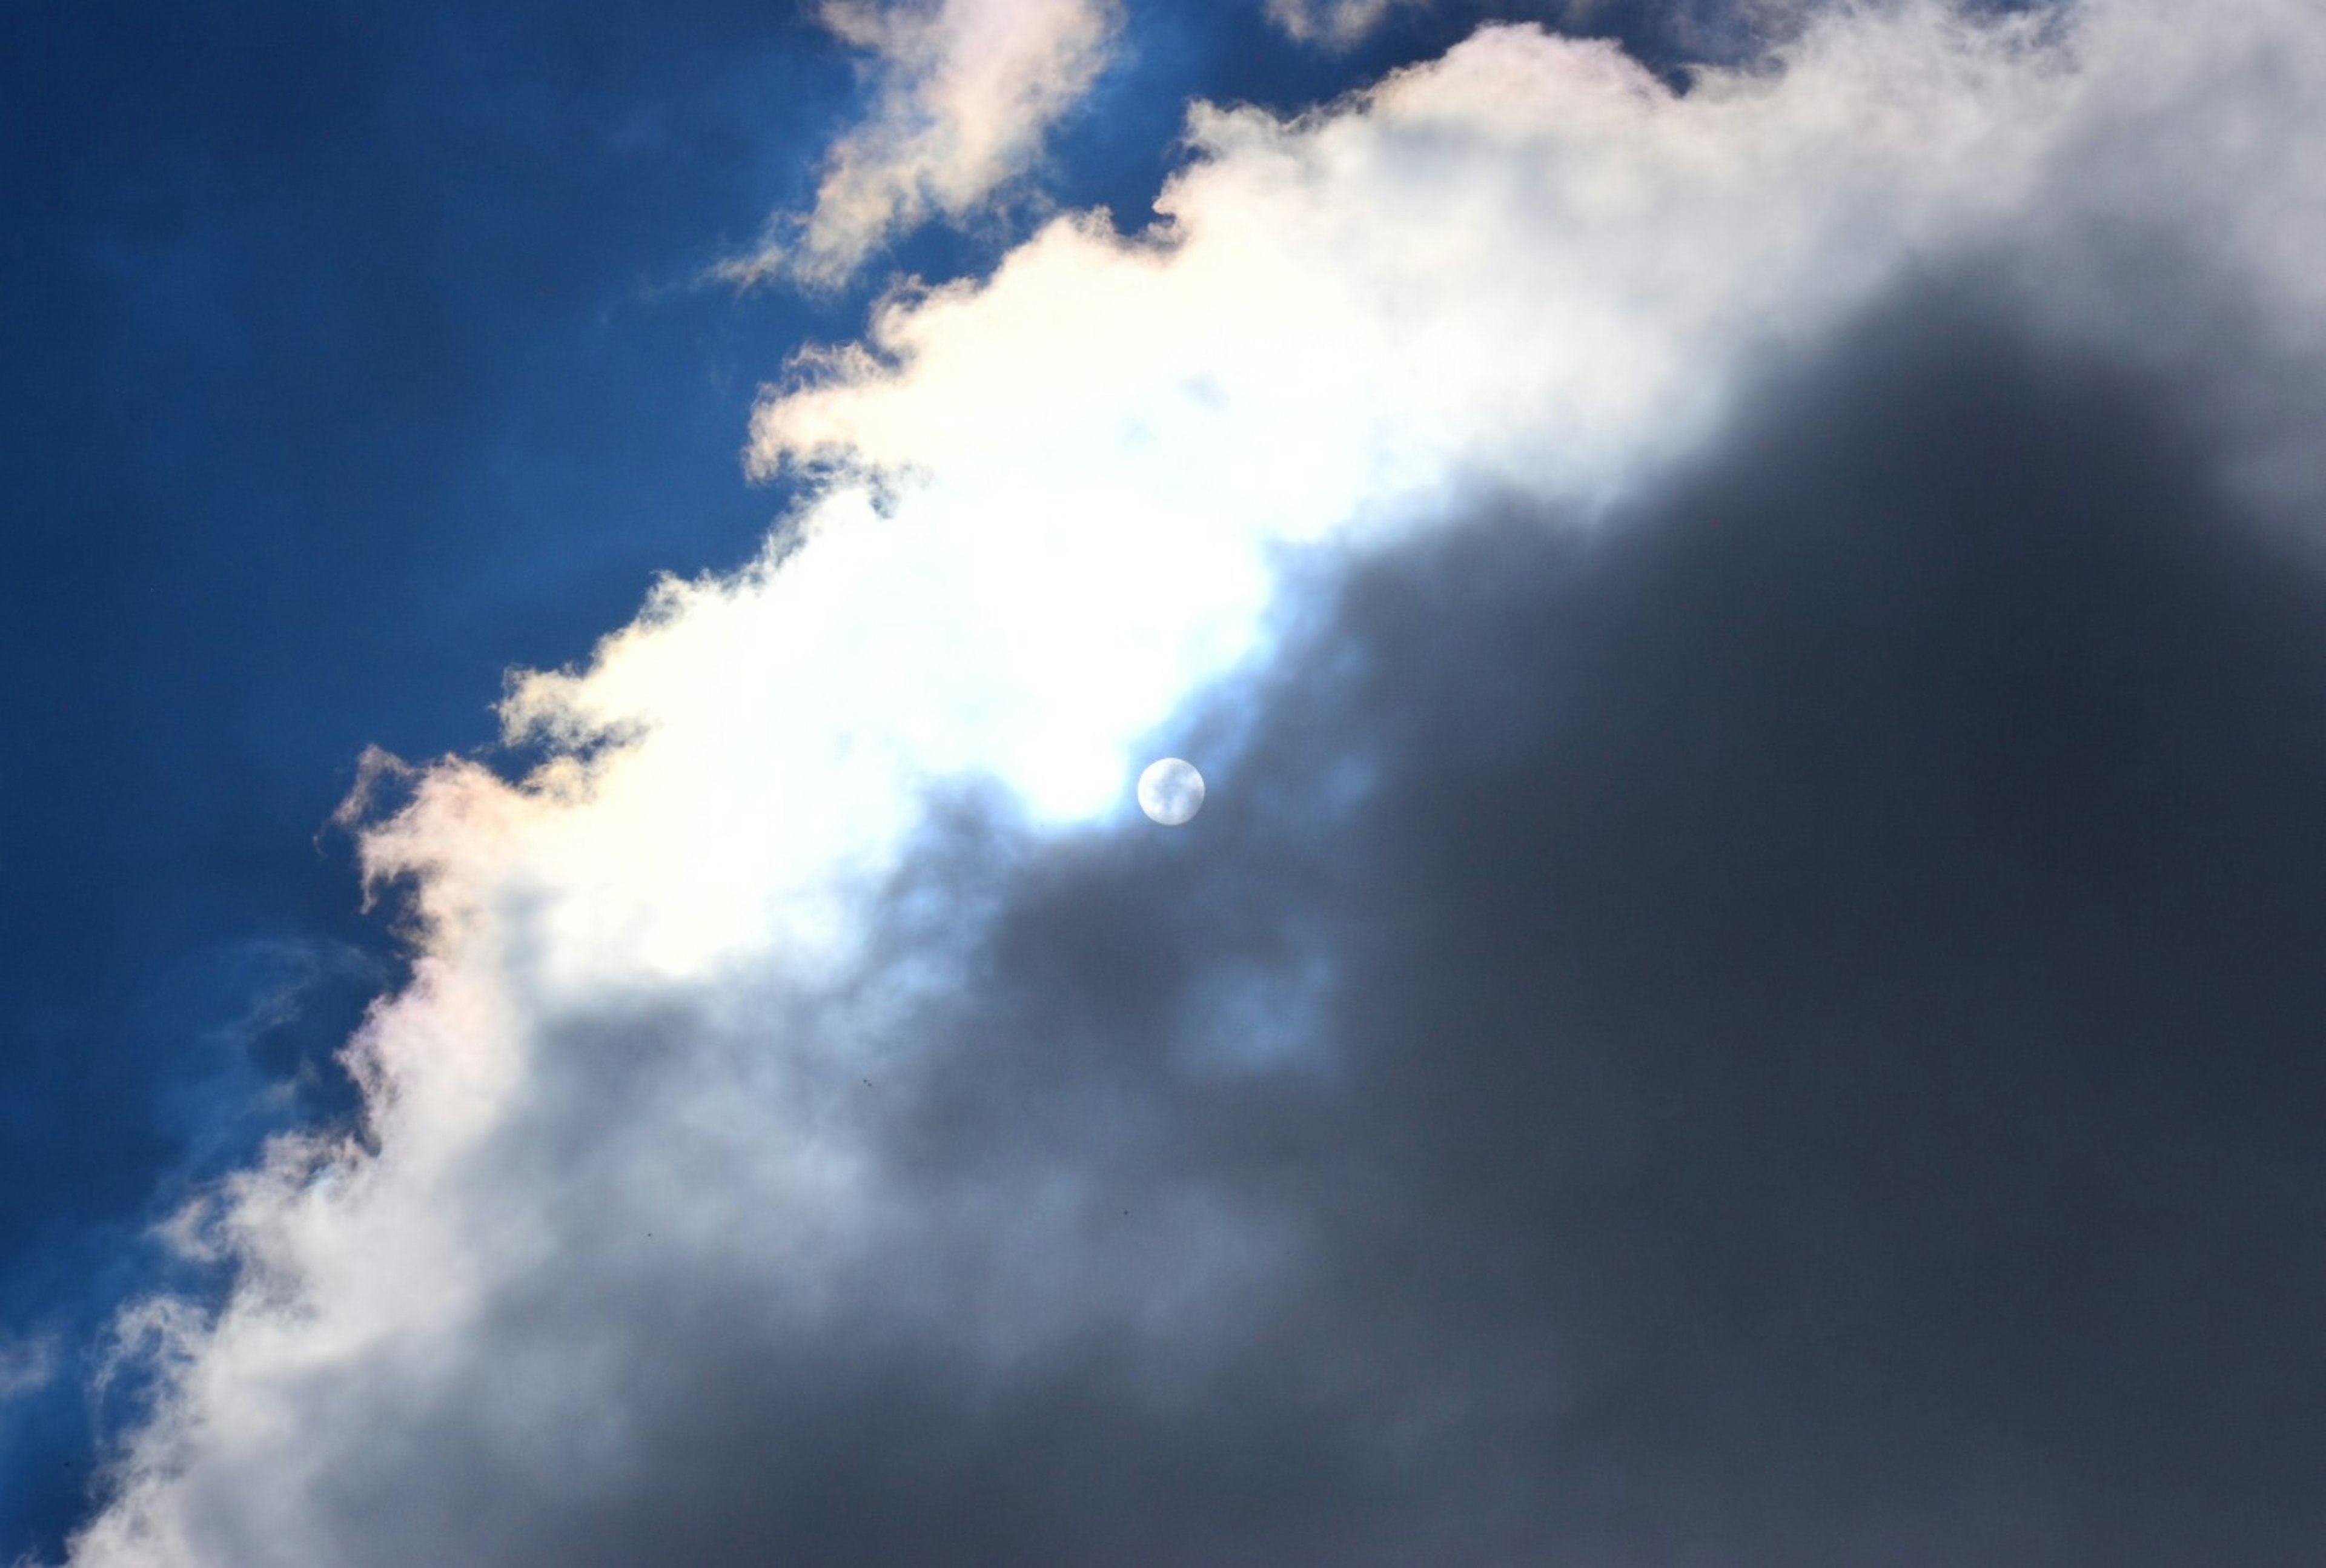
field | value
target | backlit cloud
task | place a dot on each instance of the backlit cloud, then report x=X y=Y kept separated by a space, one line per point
x=1606 y=549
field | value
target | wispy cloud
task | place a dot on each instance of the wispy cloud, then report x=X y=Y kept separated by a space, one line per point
x=1337 y=22
x=27 y=1365
x=963 y=91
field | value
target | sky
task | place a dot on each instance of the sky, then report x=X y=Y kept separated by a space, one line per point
x=588 y=588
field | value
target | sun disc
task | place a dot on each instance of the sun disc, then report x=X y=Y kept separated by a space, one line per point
x=1171 y=792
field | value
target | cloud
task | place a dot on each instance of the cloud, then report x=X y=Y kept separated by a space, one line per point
x=963 y=92
x=1741 y=993
x=1699 y=31
x=27 y=1365
x=1339 y=23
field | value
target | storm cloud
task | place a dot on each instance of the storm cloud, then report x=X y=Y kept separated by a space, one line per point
x=1744 y=992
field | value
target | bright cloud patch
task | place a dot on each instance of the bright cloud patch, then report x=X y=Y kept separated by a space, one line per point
x=965 y=89
x=641 y=1188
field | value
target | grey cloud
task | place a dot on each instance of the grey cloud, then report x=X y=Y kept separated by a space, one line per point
x=1767 y=1027
x=1806 y=1021
x=1826 y=974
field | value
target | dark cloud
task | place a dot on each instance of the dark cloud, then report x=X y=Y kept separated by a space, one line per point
x=1825 y=978
x=1777 y=1032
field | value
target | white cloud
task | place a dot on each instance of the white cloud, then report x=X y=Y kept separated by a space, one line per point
x=1054 y=504
x=964 y=90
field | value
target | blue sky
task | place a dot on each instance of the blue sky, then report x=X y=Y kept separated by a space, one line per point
x=352 y=361
x=356 y=358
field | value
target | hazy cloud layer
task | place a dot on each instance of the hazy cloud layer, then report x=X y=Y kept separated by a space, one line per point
x=1743 y=993
x=963 y=91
